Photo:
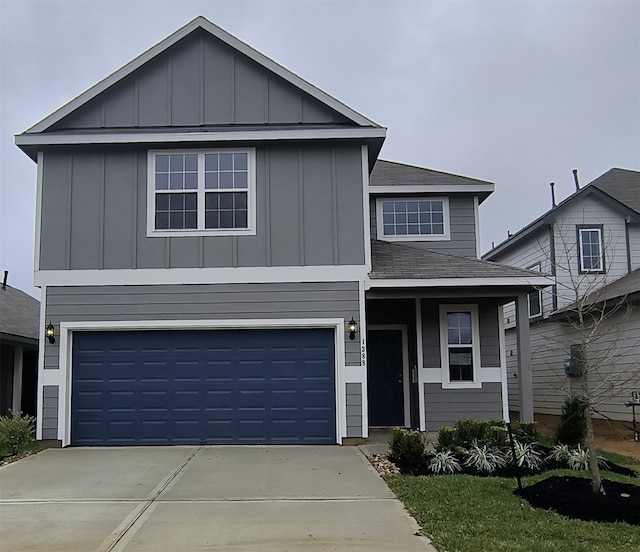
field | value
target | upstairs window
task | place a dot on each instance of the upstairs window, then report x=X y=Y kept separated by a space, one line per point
x=413 y=219
x=209 y=192
x=535 y=297
x=591 y=250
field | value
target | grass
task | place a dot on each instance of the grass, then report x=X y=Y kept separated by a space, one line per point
x=463 y=513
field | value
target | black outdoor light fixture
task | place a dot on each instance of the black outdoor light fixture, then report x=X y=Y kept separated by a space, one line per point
x=50 y=332
x=352 y=326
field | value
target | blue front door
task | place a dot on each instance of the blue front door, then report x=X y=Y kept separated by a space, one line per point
x=385 y=377
x=192 y=387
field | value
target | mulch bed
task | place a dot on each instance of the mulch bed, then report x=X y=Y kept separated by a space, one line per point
x=572 y=497
x=4 y=460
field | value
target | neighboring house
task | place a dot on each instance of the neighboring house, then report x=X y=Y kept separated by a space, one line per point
x=591 y=243
x=205 y=255
x=19 y=335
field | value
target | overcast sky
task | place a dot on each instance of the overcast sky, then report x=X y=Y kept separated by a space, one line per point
x=517 y=93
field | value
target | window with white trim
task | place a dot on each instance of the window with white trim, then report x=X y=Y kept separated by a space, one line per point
x=207 y=192
x=591 y=250
x=535 y=297
x=413 y=219
x=460 y=343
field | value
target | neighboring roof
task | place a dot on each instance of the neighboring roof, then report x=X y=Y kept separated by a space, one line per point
x=200 y=23
x=622 y=185
x=400 y=261
x=19 y=314
x=389 y=177
x=610 y=188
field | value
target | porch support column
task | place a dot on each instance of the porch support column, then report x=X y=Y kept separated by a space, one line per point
x=18 y=359
x=524 y=358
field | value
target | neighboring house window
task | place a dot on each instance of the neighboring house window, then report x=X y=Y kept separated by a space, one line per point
x=591 y=250
x=535 y=297
x=209 y=192
x=413 y=219
x=460 y=344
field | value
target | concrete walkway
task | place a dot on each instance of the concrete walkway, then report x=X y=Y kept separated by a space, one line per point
x=285 y=498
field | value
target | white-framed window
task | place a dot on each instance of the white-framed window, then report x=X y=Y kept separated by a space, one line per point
x=208 y=192
x=412 y=219
x=590 y=249
x=459 y=345
x=535 y=297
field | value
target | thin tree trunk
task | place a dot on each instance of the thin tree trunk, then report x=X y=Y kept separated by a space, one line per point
x=596 y=480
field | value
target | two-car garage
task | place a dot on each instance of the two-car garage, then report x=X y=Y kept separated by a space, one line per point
x=163 y=387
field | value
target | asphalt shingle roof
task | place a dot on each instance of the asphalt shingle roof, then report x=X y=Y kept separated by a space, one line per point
x=400 y=261
x=390 y=173
x=19 y=313
x=622 y=185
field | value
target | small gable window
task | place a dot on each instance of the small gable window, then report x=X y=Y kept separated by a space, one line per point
x=414 y=219
x=209 y=192
x=591 y=254
x=535 y=297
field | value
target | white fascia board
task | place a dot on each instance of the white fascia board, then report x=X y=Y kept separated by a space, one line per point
x=435 y=189
x=166 y=276
x=462 y=282
x=221 y=34
x=365 y=205
x=195 y=137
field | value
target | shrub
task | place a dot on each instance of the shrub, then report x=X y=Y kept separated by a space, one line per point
x=16 y=432
x=527 y=455
x=572 y=427
x=448 y=438
x=496 y=436
x=444 y=462
x=490 y=432
x=560 y=453
x=526 y=432
x=406 y=450
x=484 y=459
x=578 y=459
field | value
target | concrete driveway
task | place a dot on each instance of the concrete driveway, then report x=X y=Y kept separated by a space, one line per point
x=284 y=498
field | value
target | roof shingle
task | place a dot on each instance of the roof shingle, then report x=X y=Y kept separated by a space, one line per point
x=19 y=313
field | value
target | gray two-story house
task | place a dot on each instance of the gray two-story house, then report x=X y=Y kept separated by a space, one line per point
x=590 y=242
x=223 y=259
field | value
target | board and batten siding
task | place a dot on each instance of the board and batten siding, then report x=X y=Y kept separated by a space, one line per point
x=462 y=227
x=203 y=302
x=444 y=406
x=200 y=81
x=309 y=213
x=550 y=342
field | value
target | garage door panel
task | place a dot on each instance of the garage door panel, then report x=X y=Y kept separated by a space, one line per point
x=163 y=387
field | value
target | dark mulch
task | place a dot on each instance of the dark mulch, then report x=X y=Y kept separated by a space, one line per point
x=572 y=497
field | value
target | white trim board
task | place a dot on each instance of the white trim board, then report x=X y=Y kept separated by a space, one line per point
x=64 y=377
x=200 y=23
x=420 y=353
x=195 y=137
x=433 y=189
x=462 y=282
x=230 y=275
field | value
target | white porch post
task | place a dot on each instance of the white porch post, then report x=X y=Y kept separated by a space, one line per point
x=524 y=358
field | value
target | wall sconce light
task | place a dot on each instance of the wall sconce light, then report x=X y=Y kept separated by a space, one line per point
x=352 y=326
x=50 y=332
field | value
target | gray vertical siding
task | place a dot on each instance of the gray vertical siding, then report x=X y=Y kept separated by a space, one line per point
x=462 y=227
x=50 y=398
x=199 y=81
x=309 y=212
x=354 y=409
x=444 y=406
x=203 y=302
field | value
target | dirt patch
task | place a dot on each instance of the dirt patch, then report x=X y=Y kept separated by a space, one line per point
x=572 y=497
x=610 y=436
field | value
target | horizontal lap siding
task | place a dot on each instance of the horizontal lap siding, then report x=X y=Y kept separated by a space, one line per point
x=463 y=230
x=634 y=245
x=203 y=302
x=444 y=406
x=550 y=342
x=354 y=409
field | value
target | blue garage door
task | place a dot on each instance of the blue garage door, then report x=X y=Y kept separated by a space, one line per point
x=192 y=387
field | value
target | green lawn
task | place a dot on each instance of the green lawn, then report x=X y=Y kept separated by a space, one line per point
x=463 y=513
